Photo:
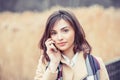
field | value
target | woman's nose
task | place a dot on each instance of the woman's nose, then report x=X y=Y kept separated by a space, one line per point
x=59 y=37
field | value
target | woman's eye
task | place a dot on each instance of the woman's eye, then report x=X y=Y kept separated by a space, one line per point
x=53 y=33
x=66 y=30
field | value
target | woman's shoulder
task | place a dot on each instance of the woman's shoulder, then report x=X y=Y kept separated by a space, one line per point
x=97 y=57
x=103 y=70
x=100 y=60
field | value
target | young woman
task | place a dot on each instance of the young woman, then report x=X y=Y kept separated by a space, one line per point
x=66 y=52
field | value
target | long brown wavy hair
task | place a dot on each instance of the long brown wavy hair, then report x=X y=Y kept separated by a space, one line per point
x=80 y=42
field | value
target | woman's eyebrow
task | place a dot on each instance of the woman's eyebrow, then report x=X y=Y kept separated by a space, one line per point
x=61 y=28
x=64 y=27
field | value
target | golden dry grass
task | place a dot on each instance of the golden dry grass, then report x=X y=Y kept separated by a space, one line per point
x=20 y=34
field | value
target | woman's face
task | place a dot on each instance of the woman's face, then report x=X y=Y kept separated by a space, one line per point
x=63 y=35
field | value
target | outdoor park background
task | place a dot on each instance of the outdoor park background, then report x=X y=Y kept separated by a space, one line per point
x=20 y=33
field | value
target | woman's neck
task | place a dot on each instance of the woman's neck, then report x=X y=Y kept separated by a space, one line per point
x=69 y=53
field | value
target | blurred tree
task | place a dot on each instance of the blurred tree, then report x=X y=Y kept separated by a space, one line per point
x=40 y=5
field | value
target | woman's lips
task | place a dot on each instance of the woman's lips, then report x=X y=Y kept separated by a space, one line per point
x=62 y=43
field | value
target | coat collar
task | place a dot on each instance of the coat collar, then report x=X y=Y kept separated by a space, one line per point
x=80 y=66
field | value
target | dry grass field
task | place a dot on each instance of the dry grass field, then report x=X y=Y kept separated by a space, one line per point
x=20 y=34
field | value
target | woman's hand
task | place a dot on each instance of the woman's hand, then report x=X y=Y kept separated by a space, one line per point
x=53 y=53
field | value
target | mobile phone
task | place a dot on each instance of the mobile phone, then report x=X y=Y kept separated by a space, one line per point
x=54 y=49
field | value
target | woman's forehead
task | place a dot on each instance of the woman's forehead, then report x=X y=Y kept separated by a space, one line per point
x=61 y=24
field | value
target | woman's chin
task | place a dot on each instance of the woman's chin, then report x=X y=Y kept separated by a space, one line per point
x=62 y=49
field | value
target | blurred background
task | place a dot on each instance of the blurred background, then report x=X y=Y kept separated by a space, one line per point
x=22 y=23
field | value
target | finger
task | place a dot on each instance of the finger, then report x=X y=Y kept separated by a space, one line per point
x=49 y=42
x=49 y=39
x=53 y=48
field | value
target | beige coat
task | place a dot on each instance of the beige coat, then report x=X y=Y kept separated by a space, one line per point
x=77 y=72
